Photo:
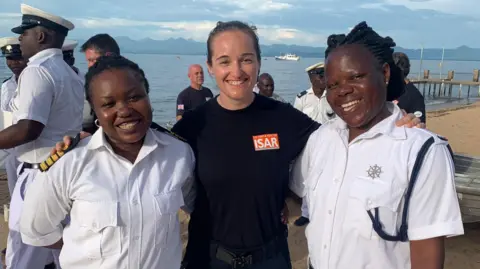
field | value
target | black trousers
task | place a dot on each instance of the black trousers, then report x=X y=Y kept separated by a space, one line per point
x=279 y=261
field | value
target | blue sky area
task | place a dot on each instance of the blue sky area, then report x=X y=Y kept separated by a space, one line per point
x=411 y=23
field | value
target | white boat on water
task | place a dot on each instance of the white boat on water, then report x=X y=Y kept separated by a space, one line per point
x=288 y=57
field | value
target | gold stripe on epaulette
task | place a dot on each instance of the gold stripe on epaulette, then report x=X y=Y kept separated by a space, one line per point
x=176 y=136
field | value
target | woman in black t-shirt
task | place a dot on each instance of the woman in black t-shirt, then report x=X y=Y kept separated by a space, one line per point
x=243 y=144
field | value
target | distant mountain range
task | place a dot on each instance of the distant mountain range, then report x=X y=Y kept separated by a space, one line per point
x=181 y=46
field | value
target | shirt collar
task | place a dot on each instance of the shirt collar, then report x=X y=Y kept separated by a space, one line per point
x=45 y=54
x=386 y=127
x=98 y=140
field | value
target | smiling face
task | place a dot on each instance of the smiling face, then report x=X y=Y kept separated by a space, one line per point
x=234 y=66
x=121 y=103
x=356 y=85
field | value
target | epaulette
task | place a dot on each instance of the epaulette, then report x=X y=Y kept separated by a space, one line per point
x=166 y=131
x=52 y=159
x=6 y=80
x=442 y=138
x=301 y=94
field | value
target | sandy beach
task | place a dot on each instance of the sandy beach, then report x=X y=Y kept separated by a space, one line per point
x=461 y=127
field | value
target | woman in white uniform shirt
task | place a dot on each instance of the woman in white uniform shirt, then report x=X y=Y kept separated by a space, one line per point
x=122 y=187
x=357 y=184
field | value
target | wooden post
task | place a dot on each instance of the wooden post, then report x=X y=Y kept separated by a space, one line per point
x=450 y=76
x=476 y=75
x=426 y=74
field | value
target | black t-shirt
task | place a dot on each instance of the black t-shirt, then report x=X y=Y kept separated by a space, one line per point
x=412 y=101
x=190 y=98
x=242 y=165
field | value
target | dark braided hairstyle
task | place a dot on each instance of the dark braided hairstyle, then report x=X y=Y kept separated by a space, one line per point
x=380 y=47
x=112 y=61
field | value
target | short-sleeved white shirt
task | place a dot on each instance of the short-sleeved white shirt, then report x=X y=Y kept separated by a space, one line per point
x=343 y=180
x=316 y=108
x=122 y=215
x=9 y=87
x=51 y=93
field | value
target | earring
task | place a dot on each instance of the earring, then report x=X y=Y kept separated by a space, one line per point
x=96 y=123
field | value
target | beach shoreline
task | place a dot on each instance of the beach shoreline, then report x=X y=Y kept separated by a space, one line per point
x=458 y=123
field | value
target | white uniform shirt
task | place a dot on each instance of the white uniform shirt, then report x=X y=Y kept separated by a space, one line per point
x=49 y=92
x=316 y=108
x=343 y=180
x=8 y=90
x=122 y=215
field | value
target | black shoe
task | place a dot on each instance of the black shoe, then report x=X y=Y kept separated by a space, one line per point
x=301 y=221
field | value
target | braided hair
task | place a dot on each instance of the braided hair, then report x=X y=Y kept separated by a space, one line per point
x=112 y=61
x=380 y=47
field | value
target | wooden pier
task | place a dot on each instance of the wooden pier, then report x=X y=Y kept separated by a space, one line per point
x=448 y=87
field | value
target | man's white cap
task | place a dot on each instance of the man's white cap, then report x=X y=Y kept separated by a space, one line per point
x=32 y=17
x=315 y=66
x=69 y=45
x=10 y=46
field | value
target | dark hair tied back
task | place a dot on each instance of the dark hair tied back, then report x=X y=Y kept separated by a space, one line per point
x=221 y=27
x=112 y=61
x=380 y=47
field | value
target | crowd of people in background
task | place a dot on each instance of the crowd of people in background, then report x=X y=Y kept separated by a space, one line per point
x=377 y=188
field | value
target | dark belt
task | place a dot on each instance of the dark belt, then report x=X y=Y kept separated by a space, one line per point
x=26 y=166
x=245 y=259
x=29 y=166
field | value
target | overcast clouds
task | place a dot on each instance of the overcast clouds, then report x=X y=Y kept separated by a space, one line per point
x=434 y=23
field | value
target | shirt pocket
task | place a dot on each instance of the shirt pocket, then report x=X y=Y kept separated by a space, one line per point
x=100 y=230
x=167 y=225
x=366 y=194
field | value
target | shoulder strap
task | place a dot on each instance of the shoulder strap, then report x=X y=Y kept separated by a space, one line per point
x=6 y=80
x=301 y=94
x=403 y=232
x=52 y=159
x=164 y=130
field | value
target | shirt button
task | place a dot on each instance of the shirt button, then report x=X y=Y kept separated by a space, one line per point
x=135 y=202
x=94 y=225
x=369 y=202
x=330 y=212
x=136 y=238
x=324 y=246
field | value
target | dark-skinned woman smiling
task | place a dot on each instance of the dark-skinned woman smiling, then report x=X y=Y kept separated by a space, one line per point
x=380 y=196
x=121 y=187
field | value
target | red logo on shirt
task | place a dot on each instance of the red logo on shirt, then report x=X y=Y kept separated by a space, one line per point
x=266 y=142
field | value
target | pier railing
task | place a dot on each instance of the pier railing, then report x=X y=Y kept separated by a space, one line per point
x=448 y=87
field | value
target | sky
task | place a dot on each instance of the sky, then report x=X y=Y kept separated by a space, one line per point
x=411 y=23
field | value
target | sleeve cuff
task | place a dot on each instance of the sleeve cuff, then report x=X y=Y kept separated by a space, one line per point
x=31 y=117
x=448 y=229
x=45 y=240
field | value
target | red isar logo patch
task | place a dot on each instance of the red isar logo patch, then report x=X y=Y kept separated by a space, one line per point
x=266 y=142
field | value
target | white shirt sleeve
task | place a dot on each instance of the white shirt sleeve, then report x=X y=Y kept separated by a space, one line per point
x=300 y=170
x=45 y=207
x=434 y=209
x=298 y=104
x=6 y=96
x=36 y=92
x=189 y=188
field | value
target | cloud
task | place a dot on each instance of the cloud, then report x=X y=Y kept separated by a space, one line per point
x=457 y=7
x=379 y=6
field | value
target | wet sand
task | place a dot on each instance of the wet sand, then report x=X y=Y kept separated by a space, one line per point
x=460 y=125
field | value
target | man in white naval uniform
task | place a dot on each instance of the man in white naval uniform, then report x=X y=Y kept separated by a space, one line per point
x=10 y=48
x=88 y=124
x=48 y=105
x=313 y=102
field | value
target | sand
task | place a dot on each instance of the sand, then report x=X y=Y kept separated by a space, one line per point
x=461 y=127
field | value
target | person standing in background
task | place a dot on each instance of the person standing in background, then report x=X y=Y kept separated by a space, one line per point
x=195 y=94
x=10 y=48
x=313 y=102
x=88 y=124
x=266 y=87
x=99 y=45
x=47 y=105
x=412 y=101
